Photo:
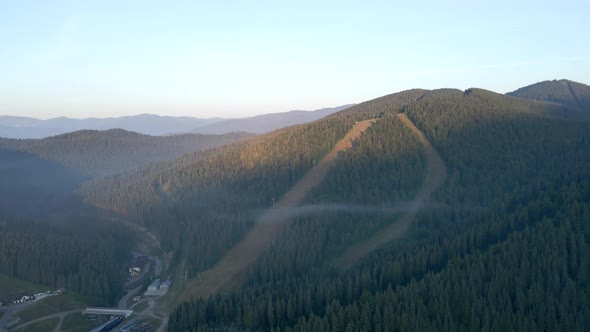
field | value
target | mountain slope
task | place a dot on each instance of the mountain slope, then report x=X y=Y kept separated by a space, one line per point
x=225 y=187
x=506 y=231
x=575 y=96
x=29 y=183
x=270 y=224
x=23 y=127
x=267 y=122
x=435 y=176
x=100 y=153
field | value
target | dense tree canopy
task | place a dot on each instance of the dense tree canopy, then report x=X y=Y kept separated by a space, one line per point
x=81 y=255
x=503 y=245
x=575 y=96
x=506 y=248
x=205 y=202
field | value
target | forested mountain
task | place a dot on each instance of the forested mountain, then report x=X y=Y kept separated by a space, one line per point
x=267 y=122
x=95 y=153
x=575 y=96
x=507 y=248
x=221 y=191
x=502 y=245
x=149 y=124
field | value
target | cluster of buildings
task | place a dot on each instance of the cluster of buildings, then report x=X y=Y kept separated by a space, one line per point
x=157 y=288
x=27 y=298
x=23 y=299
x=38 y=296
x=156 y=285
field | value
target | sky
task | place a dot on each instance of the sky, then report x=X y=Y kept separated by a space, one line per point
x=241 y=58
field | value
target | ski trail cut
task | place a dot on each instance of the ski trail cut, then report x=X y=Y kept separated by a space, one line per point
x=226 y=273
x=436 y=174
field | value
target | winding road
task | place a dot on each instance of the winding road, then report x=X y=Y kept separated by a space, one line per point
x=123 y=302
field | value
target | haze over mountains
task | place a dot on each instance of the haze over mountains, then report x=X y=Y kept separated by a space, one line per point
x=149 y=124
x=479 y=203
x=267 y=122
x=41 y=174
x=96 y=153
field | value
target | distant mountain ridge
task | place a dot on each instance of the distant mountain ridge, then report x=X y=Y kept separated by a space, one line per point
x=268 y=122
x=149 y=124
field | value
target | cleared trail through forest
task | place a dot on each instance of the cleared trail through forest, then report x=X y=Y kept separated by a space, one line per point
x=227 y=271
x=436 y=174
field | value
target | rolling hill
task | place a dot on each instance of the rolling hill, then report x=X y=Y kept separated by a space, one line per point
x=267 y=122
x=100 y=153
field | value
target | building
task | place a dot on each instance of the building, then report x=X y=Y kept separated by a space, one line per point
x=154 y=285
x=107 y=312
x=24 y=299
x=166 y=285
x=134 y=271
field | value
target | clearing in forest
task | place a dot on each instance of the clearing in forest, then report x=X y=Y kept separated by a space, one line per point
x=436 y=174
x=227 y=271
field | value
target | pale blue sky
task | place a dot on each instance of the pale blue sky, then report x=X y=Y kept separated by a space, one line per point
x=239 y=58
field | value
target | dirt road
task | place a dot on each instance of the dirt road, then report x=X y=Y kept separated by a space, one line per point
x=227 y=271
x=60 y=315
x=436 y=174
x=123 y=302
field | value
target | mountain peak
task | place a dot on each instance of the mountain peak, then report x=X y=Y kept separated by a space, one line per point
x=574 y=95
